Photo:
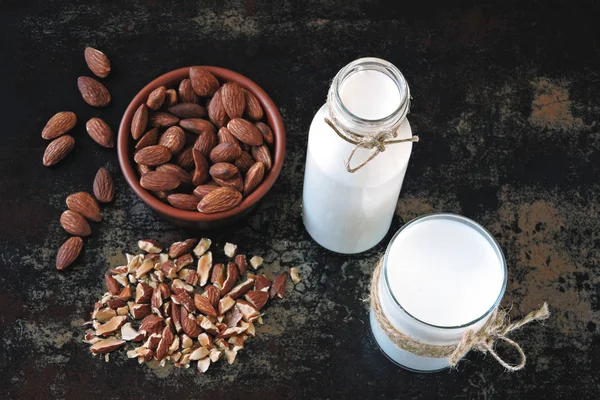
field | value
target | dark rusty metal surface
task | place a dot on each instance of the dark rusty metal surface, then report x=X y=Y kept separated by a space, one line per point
x=506 y=101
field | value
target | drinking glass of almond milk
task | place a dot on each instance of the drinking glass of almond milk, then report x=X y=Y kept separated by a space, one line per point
x=442 y=274
x=359 y=145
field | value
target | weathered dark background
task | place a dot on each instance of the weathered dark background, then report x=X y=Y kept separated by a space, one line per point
x=506 y=101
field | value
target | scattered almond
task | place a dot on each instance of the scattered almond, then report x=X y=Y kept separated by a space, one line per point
x=100 y=132
x=75 y=224
x=93 y=92
x=84 y=204
x=104 y=188
x=59 y=124
x=97 y=62
x=57 y=150
x=68 y=252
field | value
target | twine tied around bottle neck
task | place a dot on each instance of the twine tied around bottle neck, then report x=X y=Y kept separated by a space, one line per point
x=376 y=142
x=483 y=340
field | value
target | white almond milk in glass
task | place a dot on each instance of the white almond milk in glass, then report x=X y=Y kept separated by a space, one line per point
x=351 y=212
x=442 y=275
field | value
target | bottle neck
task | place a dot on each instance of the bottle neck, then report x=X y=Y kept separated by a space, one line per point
x=368 y=95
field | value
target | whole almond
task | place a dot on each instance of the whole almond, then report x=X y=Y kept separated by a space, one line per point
x=197 y=125
x=188 y=110
x=200 y=175
x=245 y=131
x=184 y=201
x=84 y=204
x=162 y=195
x=203 y=82
x=262 y=154
x=58 y=150
x=153 y=155
x=75 y=224
x=139 y=121
x=218 y=200
x=143 y=169
x=171 y=98
x=100 y=132
x=59 y=124
x=244 y=162
x=97 y=62
x=68 y=252
x=226 y=137
x=206 y=142
x=186 y=92
x=176 y=170
x=203 y=190
x=216 y=112
x=159 y=181
x=236 y=182
x=163 y=119
x=93 y=92
x=150 y=138
x=225 y=152
x=156 y=98
x=254 y=110
x=223 y=170
x=267 y=133
x=185 y=159
x=104 y=188
x=233 y=99
x=254 y=177
x=173 y=139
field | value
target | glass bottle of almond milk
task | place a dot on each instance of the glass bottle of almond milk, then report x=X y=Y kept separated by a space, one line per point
x=359 y=145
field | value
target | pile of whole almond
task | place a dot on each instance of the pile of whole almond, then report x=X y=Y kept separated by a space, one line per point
x=170 y=309
x=201 y=158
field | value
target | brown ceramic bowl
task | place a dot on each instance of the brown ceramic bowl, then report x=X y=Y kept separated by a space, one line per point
x=194 y=219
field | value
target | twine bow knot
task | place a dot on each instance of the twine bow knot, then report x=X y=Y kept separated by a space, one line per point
x=495 y=329
x=375 y=142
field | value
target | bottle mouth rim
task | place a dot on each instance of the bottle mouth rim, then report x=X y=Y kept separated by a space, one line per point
x=487 y=235
x=371 y=64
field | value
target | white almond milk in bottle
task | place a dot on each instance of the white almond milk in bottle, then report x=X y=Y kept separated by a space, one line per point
x=350 y=212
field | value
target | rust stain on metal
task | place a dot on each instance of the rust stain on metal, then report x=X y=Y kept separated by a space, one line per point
x=551 y=106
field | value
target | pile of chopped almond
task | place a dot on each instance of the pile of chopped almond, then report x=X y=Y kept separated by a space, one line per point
x=179 y=313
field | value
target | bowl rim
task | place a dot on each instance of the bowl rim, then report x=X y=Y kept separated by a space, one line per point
x=169 y=79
